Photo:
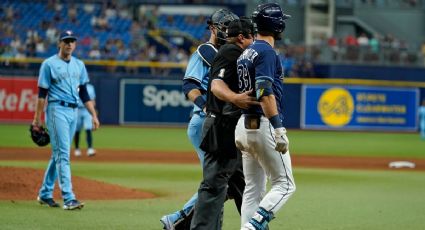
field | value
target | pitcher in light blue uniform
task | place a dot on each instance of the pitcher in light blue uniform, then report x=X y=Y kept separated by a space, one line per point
x=84 y=120
x=61 y=83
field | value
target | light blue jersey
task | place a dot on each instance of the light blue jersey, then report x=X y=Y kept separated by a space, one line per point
x=61 y=79
x=198 y=70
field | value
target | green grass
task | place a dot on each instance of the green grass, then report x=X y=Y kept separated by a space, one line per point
x=326 y=199
x=301 y=142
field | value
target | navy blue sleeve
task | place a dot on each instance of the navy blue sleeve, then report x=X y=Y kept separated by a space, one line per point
x=189 y=84
x=42 y=92
x=84 y=95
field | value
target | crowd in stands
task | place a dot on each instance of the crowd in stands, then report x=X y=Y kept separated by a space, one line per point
x=107 y=31
x=372 y=49
x=298 y=60
x=113 y=30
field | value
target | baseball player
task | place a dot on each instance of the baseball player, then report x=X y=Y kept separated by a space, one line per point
x=195 y=83
x=84 y=120
x=422 y=119
x=260 y=134
x=223 y=174
x=62 y=83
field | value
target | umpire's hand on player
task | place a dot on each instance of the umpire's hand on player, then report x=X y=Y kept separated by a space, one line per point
x=245 y=100
x=282 y=142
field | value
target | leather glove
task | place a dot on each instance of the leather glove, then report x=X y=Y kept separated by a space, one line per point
x=282 y=142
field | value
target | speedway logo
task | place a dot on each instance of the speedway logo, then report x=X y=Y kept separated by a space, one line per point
x=153 y=102
x=160 y=98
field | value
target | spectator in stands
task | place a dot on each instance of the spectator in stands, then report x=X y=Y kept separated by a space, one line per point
x=100 y=23
x=94 y=53
x=334 y=46
x=350 y=40
x=110 y=11
x=51 y=33
x=305 y=69
x=351 y=46
x=40 y=46
x=363 y=40
x=149 y=15
x=16 y=43
x=374 y=43
x=123 y=52
x=72 y=14
x=153 y=57
x=10 y=15
x=287 y=61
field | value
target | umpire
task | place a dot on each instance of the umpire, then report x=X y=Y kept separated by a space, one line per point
x=223 y=174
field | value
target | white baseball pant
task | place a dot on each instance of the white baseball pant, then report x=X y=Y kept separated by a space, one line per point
x=261 y=161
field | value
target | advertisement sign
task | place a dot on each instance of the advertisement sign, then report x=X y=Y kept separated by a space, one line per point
x=359 y=108
x=153 y=102
x=18 y=98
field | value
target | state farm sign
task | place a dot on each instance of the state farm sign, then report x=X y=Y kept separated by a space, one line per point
x=18 y=97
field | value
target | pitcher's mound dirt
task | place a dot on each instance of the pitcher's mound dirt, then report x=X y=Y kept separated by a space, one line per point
x=23 y=184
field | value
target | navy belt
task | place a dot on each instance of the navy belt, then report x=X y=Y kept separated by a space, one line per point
x=66 y=104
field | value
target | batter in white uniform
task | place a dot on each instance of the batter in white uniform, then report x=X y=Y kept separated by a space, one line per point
x=260 y=134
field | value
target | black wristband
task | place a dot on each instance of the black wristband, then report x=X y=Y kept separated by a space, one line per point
x=275 y=121
x=200 y=102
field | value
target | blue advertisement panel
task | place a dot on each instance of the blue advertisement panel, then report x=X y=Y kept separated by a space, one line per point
x=359 y=108
x=159 y=102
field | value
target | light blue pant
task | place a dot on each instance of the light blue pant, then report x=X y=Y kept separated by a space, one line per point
x=84 y=119
x=194 y=132
x=61 y=123
x=422 y=130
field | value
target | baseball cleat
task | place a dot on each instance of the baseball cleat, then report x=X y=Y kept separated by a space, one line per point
x=168 y=224
x=77 y=152
x=91 y=152
x=72 y=205
x=49 y=201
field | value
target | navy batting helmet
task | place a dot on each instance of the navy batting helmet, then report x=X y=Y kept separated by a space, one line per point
x=270 y=18
x=220 y=20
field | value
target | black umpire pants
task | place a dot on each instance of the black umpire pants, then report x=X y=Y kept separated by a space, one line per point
x=222 y=178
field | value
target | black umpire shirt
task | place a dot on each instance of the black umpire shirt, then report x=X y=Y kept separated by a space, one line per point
x=224 y=68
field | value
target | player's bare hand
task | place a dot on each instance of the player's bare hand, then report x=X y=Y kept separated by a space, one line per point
x=282 y=142
x=96 y=122
x=245 y=100
x=36 y=123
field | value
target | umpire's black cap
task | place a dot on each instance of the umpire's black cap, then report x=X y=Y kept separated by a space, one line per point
x=67 y=34
x=242 y=26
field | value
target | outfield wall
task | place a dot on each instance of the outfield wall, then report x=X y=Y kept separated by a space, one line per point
x=337 y=104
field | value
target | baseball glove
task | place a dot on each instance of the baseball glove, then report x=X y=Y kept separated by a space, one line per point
x=39 y=135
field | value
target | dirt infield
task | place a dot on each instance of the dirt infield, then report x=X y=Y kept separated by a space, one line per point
x=23 y=183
